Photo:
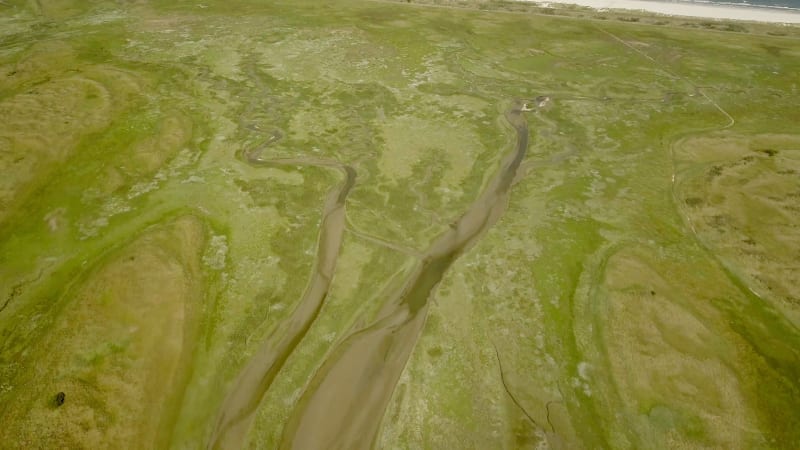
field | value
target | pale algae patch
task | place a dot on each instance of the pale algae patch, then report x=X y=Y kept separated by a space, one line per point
x=340 y=54
x=409 y=140
x=275 y=175
x=216 y=255
x=310 y=125
x=462 y=106
x=12 y=24
x=354 y=258
x=224 y=58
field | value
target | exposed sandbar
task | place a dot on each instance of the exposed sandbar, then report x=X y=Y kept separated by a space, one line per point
x=710 y=11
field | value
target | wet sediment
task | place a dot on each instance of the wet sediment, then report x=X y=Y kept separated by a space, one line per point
x=240 y=405
x=345 y=402
x=358 y=379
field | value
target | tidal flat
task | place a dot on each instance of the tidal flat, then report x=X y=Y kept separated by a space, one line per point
x=371 y=224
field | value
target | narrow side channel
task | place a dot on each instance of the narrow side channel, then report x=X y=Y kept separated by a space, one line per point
x=345 y=402
x=239 y=407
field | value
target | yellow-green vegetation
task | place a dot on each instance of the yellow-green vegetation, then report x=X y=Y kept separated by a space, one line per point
x=368 y=224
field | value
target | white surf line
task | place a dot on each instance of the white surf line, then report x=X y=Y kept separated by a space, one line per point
x=680 y=9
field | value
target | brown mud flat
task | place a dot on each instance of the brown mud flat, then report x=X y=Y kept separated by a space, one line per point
x=240 y=405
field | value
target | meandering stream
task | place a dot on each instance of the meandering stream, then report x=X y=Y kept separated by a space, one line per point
x=344 y=403
x=242 y=401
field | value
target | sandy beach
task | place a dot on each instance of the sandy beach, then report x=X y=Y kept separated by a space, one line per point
x=728 y=12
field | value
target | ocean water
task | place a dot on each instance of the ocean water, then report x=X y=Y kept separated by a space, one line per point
x=778 y=4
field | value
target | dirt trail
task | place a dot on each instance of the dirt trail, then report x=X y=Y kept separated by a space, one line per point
x=346 y=400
